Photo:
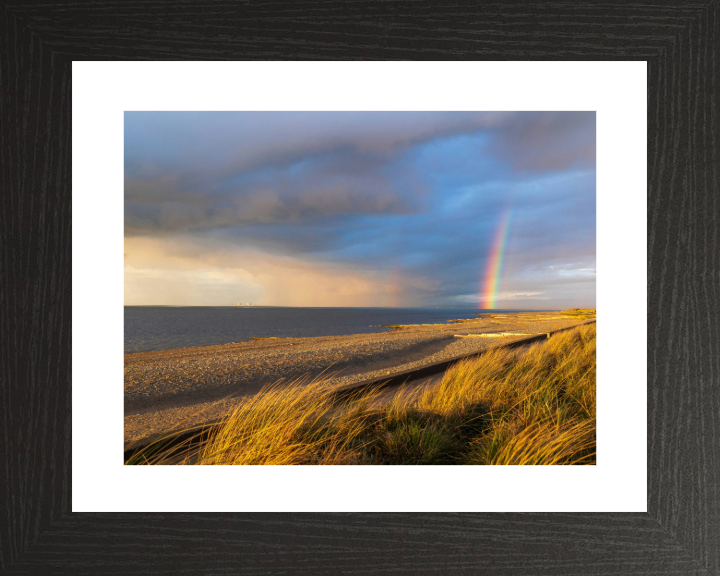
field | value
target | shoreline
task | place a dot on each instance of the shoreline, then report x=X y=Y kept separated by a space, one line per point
x=300 y=327
x=179 y=388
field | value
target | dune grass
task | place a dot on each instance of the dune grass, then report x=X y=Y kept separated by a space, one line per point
x=534 y=405
x=580 y=313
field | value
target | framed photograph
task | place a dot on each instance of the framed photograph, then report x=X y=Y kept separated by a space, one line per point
x=123 y=189
x=339 y=280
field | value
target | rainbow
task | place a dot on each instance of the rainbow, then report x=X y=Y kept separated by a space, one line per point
x=489 y=288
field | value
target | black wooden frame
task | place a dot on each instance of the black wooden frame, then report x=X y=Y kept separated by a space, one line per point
x=680 y=534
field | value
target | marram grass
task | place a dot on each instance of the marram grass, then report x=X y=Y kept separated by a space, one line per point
x=534 y=405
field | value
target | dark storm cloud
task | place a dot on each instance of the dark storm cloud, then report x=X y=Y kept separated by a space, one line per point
x=543 y=141
x=331 y=184
x=419 y=193
x=186 y=170
x=246 y=141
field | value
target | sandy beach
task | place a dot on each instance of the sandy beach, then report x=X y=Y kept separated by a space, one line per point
x=177 y=389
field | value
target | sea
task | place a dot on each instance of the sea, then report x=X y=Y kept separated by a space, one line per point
x=149 y=328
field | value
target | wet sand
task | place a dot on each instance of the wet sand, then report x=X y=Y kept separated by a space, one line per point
x=176 y=389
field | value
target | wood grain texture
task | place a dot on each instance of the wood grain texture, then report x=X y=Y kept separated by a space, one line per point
x=681 y=532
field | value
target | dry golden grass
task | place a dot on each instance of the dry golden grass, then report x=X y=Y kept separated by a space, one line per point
x=527 y=406
x=579 y=313
x=293 y=424
x=533 y=406
x=545 y=442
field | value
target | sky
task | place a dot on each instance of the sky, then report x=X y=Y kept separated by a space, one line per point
x=387 y=209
